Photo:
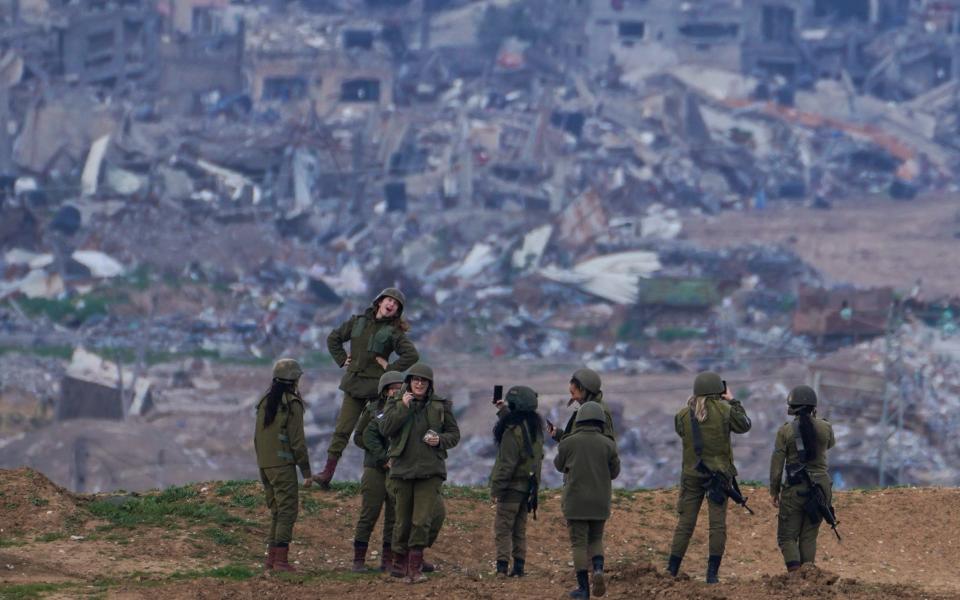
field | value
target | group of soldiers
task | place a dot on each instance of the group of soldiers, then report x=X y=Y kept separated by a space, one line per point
x=405 y=428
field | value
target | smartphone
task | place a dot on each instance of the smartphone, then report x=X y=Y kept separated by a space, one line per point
x=497 y=393
x=724 y=381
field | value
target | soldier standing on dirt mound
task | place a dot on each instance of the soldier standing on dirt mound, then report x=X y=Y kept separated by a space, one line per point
x=373 y=483
x=376 y=334
x=584 y=387
x=281 y=447
x=421 y=428
x=802 y=443
x=589 y=462
x=515 y=476
x=705 y=424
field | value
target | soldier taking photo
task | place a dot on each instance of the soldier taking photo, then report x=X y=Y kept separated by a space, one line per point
x=584 y=387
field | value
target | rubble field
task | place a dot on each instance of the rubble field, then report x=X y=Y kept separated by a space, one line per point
x=204 y=540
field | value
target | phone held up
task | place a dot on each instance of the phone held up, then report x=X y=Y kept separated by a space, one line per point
x=497 y=393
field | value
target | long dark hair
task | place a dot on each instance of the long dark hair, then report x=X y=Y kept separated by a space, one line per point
x=532 y=419
x=278 y=388
x=807 y=433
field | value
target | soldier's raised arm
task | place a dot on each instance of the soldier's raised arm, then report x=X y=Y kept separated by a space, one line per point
x=739 y=421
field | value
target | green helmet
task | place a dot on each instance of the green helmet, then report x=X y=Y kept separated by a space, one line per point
x=389 y=378
x=707 y=383
x=287 y=369
x=420 y=370
x=591 y=411
x=802 y=395
x=394 y=293
x=521 y=398
x=588 y=380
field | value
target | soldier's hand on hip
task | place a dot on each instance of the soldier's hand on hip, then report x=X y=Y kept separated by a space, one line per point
x=346 y=363
x=775 y=501
x=382 y=362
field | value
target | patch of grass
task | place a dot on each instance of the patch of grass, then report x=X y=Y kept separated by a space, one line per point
x=312 y=506
x=39 y=501
x=50 y=537
x=219 y=536
x=467 y=492
x=233 y=486
x=25 y=591
x=346 y=488
x=245 y=501
x=234 y=572
x=158 y=509
x=7 y=542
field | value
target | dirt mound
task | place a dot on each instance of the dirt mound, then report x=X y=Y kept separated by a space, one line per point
x=33 y=505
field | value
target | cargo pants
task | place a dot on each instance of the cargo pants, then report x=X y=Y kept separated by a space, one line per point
x=510 y=527
x=586 y=539
x=373 y=496
x=419 y=512
x=692 y=493
x=347 y=418
x=281 y=489
x=796 y=533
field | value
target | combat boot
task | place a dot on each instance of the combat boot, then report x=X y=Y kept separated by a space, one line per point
x=323 y=479
x=427 y=567
x=713 y=569
x=501 y=569
x=583 y=586
x=518 y=564
x=673 y=567
x=793 y=566
x=599 y=583
x=415 y=566
x=271 y=557
x=359 y=557
x=399 y=565
x=280 y=559
x=386 y=558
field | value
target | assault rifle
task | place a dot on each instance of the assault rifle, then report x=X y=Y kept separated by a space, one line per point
x=720 y=487
x=816 y=505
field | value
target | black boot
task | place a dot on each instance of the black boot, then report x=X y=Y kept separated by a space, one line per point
x=359 y=557
x=673 y=567
x=599 y=583
x=583 y=586
x=517 y=568
x=713 y=568
x=501 y=568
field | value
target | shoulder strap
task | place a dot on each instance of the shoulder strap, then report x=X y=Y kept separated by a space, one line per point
x=527 y=445
x=697 y=435
x=798 y=446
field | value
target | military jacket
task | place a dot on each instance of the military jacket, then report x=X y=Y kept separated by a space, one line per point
x=283 y=441
x=785 y=453
x=722 y=418
x=514 y=465
x=369 y=338
x=589 y=462
x=571 y=426
x=368 y=436
x=405 y=427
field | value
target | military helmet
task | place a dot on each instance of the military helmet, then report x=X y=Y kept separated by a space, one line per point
x=521 y=398
x=420 y=370
x=389 y=378
x=394 y=293
x=802 y=395
x=707 y=383
x=591 y=411
x=287 y=369
x=588 y=380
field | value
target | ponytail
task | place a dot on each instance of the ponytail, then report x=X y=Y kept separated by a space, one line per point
x=698 y=406
x=807 y=433
x=274 y=395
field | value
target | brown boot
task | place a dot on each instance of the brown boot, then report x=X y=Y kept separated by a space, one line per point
x=359 y=557
x=399 y=565
x=280 y=559
x=415 y=566
x=323 y=479
x=386 y=558
x=271 y=556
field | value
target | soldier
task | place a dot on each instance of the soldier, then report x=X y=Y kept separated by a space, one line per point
x=421 y=428
x=705 y=424
x=281 y=447
x=584 y=387
x=516 y=475
x=376 y=334
x=589 y=462
x=373 y=489
x=801 y=443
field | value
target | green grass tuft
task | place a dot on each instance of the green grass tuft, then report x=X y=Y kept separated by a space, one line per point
x=219 y=536
x=26 y=591
x=158 y=509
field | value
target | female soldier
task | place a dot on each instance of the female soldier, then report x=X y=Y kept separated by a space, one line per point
x=421 y=428
x=584 y=387
x=376 y=334
x=705 y=424
x=281 y=447
x=516 y=474
x=373 y=488
x=800 y=444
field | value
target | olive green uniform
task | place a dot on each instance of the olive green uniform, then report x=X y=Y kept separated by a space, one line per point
x=510 y=486
x=281 y=447
x=369 y=338
x=418 y=469
x=572 y=426
x=722 y=418
x=373 y=482
x=796 y=533
x=589 y=462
